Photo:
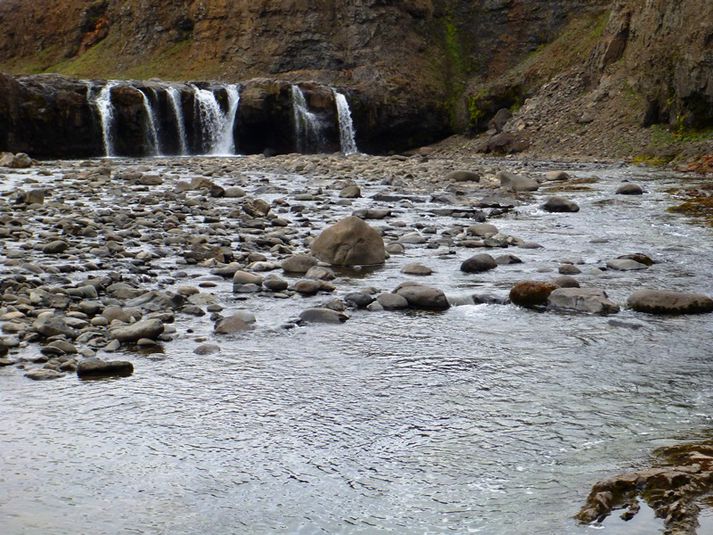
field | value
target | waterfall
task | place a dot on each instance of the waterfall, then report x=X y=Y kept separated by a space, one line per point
x=346 y=126
x=174 y=97
x=151 y=132
x=307 y=128
x=106 y=114
x=225 y=144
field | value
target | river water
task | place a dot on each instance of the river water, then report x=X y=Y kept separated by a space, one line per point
x=484 y=419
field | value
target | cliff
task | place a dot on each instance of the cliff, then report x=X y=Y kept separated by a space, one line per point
x=425 y=68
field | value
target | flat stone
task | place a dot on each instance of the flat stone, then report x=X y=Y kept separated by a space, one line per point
x=585 y=300
x=96 y=368
x=669 y=302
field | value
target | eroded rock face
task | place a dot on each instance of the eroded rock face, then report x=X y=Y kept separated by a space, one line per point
x=672 y=489
x=350 y=242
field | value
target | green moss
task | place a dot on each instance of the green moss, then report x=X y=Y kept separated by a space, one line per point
x=651 y=160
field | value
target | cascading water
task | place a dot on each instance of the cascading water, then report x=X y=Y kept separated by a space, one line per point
x=225 y=143
x=106 y=114
x=211 y=117
x=174 y=97
x=308 y=136
x=346 y=126
x=151 y=132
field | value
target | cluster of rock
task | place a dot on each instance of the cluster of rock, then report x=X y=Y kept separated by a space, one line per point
x=672 y=489
x=266 y=248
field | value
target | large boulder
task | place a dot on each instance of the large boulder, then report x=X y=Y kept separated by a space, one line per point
x=586 y=300
x=350 y=242
x=667 y=302
x=531 y=294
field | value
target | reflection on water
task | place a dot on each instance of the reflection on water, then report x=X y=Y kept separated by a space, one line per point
x=484 y=419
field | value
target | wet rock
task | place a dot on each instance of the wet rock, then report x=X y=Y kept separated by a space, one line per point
x=669 y=302
x=423 y=297
x=43 y=374
x=531 y=294
x=244 y=277
x=641 y=258
x=15 y=161
x=507 y=259
x=391 y=301
x=300 y=263
x=308 y=287
x=358 y=299
x=151 y=329
x=484 y=230
x=463 y=176
x=565 y=281
x=50 y=325
x=350 y=242
x=35 y=196
x=274 y=283
x=569 y=269
x=232 y=325
x=372 y=213
x=630 y=189
x=55 y=247
x=560 y=204
x=256 y=207
x=97 y=368
x=234 y=192
x=512 y=182
x=557 y=176
x=350 y=192
x=320 y=273
x=416 y=269
x=206 y=349
x=625 y=264
x=585 y=300
x=322 y=315
x=478 y=264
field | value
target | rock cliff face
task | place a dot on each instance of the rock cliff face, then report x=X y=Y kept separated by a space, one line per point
x=421 y=69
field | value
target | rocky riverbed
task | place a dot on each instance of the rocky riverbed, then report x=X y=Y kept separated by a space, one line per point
x=119 y=267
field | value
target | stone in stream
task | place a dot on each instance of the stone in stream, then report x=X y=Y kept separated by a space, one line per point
x=625 y=264
x=48 y=325
x=244 y=277
x=423 y=297
x=322 y=315
x=507 y=259
x=566 y=281
x=151 y=329
x=557 y=176
x=43 y=374
x=484 y=230
x=391 y=301
x=586 y=300
x=273 y=283
x=232 y=324
x=358 y=299
x=560 y=204
x=512 y=182
x=350 y=192
x=569 y=269
x=630 y=189
x=320 y=273
x=463 y=176
x=669 y=302
x=350 y=242
x=55 y=247
x=15 y=161
x=531 y=294
x=478 y=264
x=639 y=257
x=256 y=207
x=206 y=349
x=372 y=213
x=416 y=269
x=299 y=263
x=308 y=287
x=96 y=368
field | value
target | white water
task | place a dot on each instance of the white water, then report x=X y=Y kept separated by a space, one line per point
x=346 y=126
x=106 y=114
x=174 y=97
x=307 y=128
x=151 y=131
x=210 y=117
x=225 y=143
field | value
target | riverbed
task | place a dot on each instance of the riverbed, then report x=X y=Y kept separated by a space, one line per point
x=486 y=418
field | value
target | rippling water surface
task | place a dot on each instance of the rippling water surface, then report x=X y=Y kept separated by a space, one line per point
x=483 y=419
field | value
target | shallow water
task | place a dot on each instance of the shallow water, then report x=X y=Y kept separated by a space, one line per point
x=483 y=419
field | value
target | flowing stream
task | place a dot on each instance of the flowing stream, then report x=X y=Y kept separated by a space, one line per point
x=346 y=126
x=484 y=419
